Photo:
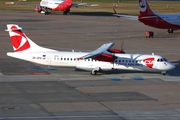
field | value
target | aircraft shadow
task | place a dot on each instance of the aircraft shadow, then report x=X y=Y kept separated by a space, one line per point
x=86 y=13
x=121 y=72
x=176 y=71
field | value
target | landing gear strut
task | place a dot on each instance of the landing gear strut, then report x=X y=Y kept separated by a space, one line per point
x=46 y=12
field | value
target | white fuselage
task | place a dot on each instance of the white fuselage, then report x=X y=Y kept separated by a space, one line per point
x=69 y=59
x=171 y=18
x=51 y=3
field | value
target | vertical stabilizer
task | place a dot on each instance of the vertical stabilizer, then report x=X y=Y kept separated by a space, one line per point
x=144 y=9
x=20 y=41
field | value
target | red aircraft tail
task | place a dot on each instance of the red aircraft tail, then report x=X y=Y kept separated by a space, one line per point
x=144 y=9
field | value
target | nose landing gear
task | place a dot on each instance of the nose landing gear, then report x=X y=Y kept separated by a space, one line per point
x=163 y=72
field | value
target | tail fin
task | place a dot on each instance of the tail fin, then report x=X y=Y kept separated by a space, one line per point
x=144 y=8
x=20 y=41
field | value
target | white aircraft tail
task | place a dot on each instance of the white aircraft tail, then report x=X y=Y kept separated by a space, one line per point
x=144 y=9
x=21 y=42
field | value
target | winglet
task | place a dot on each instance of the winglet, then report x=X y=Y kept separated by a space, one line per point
x=115 y=13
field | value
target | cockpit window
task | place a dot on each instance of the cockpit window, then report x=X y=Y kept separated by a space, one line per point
x=164 y=59
x=161 y=59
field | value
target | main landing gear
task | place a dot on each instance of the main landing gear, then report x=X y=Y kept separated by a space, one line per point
x=170 y=30
x=66 y=12
x=46 y=12
x=95 y=70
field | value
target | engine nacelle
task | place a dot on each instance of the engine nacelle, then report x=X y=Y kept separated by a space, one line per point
x=112 y=50
x=105 y=57
x=38 y=9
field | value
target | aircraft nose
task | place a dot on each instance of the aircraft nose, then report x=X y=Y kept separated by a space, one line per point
x=165 y=66
x=170 y=66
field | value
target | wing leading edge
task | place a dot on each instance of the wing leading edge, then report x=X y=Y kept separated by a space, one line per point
x=99 y=51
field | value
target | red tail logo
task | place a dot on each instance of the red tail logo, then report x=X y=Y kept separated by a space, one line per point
x=142 y=5
x=20 y=41
x=144 y=8
x=149 y=62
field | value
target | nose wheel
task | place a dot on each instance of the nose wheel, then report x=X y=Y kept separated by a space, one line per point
x=163 y=72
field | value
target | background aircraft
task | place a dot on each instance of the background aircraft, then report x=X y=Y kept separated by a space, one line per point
x=58 y=5
x=153 y=19
x=102 y=59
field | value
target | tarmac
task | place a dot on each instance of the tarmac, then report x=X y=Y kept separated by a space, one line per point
x=34 y=92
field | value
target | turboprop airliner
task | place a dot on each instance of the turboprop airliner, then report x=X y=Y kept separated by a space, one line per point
x=104 y=58
x=58 y=5
x=147 y=16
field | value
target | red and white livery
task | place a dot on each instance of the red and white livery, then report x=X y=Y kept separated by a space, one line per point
x=147 y=16
x=58 y=5
x=102 y=59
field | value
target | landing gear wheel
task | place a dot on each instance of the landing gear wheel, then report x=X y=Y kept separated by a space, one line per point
x=170 y=30
x=66 y=12
x=46 y=13
x=163 y=72
x=93 y=72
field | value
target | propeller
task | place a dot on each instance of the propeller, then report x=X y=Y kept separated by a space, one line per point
x=113 y=50
x=122 y=50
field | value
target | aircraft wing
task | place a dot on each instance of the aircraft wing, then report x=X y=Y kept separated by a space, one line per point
x=83 y=4
x=130 y=17
x=97 y=52
x=127 y=17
